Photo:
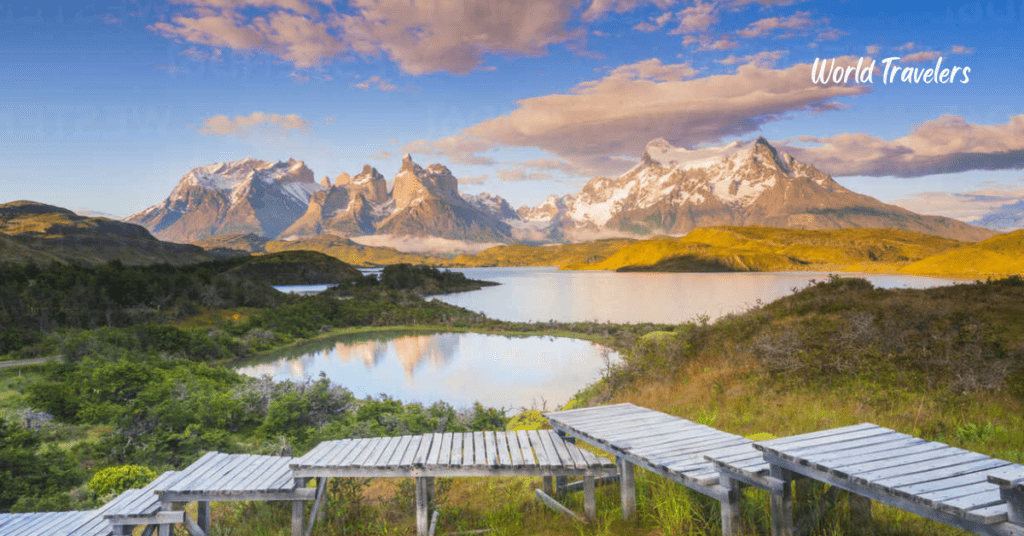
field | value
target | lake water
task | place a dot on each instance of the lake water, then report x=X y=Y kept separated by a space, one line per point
x=459 y=368
x=542 y=294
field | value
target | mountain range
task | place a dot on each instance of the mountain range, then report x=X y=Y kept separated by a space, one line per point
x=670 y=191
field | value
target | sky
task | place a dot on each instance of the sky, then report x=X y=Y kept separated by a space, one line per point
x=105 y=105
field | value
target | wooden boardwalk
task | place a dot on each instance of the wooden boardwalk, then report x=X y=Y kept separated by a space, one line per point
x=960 y=488
x=674 y=448
x=521 y=453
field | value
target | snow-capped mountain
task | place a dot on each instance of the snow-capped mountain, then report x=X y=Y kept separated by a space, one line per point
x=352 y=206
x=674 y=190
x=1005 y=218
x=248 y=196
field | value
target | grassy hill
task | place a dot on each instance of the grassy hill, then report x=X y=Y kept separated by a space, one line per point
x=999 y=255
x=554 y=255
x=773 y=249
x=348 y=251
x=35 y=232
x=296 y=268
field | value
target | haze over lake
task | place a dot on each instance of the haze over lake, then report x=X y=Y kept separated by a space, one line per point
x=546 y=293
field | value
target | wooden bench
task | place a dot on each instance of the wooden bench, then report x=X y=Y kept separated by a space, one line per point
x=674 y=448
x=521 y=453
x=48 y=523
x=949 y=485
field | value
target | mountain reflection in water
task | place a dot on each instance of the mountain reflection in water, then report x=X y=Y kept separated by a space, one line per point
x=460 y=368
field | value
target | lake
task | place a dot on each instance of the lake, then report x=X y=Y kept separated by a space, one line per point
x=547 y=293
x=459 y=368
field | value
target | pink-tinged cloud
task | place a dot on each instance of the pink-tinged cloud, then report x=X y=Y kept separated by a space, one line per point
x=426 y=36
x=458 y=148
x=696 y=18
x=600 y=121
x=519 y=174
x=965 y=206
x=765 y=59
x=242 y=126
x=655 y=23
x=193 y=53
x=920 y=57
x=873 y=49
x=376 y=82
x=791 y=25
x=948 y=144
x=960 y=49
x=906 y=47
x=474 y=180
x=298 y=6
x=598 y=8
x=294 y=38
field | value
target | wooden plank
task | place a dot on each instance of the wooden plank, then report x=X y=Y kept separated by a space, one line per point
x=458 y=448
x=693 y=435
x=556 y=506
x=784 y=442
x=933 y=498
x=584 y=415
x=574 y=453
x=355 y=453
x=796 y=449
x=435 y=449
x=501 y=442
x=410 y=451
x=196 y=470
x=954 y=481
x=316 y=453
x=941 y=472
x=446 y=450
x=479 y=452
x=560 y=447
x=960 y=505
x=223 y=472
x=543 y=458
x=515 y=453
x=371 y=452
x=525 y=449
x=385 y=456
x=990 y=515
x=420 y=459
x=624 y=425
x=338 y=451
x=878 y=441
x=864 y=459
x=550 y=449
x=491 y=446
x=395 y=459
x=256 y=473
x=898 y=470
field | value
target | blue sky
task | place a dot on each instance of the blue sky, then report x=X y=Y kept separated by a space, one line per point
x=106 y=104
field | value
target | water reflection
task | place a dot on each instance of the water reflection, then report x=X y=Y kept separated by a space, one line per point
x=460 y=368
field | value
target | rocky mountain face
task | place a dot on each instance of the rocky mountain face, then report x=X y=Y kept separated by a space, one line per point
x=676 y=190
x=248 y=196
x=670 y=191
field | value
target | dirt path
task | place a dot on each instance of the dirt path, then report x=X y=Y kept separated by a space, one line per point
x=24 y=362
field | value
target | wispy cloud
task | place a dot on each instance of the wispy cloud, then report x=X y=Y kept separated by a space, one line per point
x=965 y=206
x=243 y=126
x=765 y=59
x=376 y=82
x=789 y=26
x=922 y=56
x=960 y=49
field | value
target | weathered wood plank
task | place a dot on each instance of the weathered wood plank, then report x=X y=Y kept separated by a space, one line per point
x=381 y=458
x=457 y=449
x=940 y=473
x=420 y=459
x=226 y=472
x=515 y=453
x=544 y=459
x=478 y=455
x=877 y=441
x=435 y=449
x=867 y=459
x=835 y=442
x=396 y=457
x=501 y=442
x=529 y=458
x=556 y=506
x=410 y=451
x=561 y=447
x=446 y=450
x=977 y=501
x=892 y=471
x=785 y=442
x=355 y=453
x=195 y=471
x=491 y=446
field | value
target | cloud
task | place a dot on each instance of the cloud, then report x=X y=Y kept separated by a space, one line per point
x=960 y=49
x=474 y=180
x=705 y=42
x=906 y=47
x=795 y=23
x=964 y=206
x=426 y=36
x=381 y=155
x=765 y=59
x=376 y=82
x=241 y=126
x=430 y=244
x=829 y=34
x=459 y=148
x=919 y=57
x=599 y=122
x=516 y=175
x=193 y=53
x=948 y=144
x=656 y=23
x=298 y=6
x=696 y=18
x=873 y=49
x=600 y=7
x=292 y=37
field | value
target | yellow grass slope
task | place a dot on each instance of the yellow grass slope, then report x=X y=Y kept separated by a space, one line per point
x=999 y=255
x=555 y=255
x=774 y=249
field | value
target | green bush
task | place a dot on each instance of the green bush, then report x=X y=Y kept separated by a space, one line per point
x=114 y=480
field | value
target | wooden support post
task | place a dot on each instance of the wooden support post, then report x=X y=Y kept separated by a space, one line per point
x=782 y=503
x=589 y=500
x=548 y=485
x=560 y=483
x=149 y=530
x=123 y=530
x=167 y=529
x=731 y=519
x=1014 y=497
x=299 y=511
x=627 y=487
x=431 y=493
x=422 y=506
x=203 y=515
x=860 y=512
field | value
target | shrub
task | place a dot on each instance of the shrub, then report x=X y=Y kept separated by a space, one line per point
x=114 y=480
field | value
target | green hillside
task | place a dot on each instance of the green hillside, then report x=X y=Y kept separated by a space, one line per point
x=553 y=255
x=348 y=251
x=35 y=232
x=296 y=268
x=999 y=255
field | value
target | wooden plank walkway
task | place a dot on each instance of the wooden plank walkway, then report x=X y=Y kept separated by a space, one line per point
x=960 y=488
x=46 y=523
x=674 y=448
x=521 y=453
